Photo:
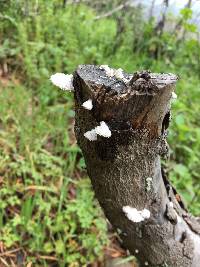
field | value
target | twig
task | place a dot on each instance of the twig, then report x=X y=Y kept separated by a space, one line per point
x=151 y=9
x=77 y=2
x=7 y=253
x=47 y=258
x=4 y=262
x=41 y=188
x=111 y=12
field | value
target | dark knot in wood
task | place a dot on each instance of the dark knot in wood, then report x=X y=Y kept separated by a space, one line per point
x=142 y=83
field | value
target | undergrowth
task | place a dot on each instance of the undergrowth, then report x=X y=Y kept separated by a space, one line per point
x=45 y=208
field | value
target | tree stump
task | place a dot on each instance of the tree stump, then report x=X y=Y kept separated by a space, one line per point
x=125 y=169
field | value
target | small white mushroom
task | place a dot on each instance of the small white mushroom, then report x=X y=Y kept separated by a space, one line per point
x=171 y=204
x=119 y=231
x=149 y=181
x=109 y=71
x=136 y=251
x=174 y=95
x=119 y=74
x=179 y=219
x=88 y=104
x=135 y=215
x=104 y=67
x=91 y=135
x=145 y=214
x=63 y=81
x=146 y=263
x=103 y=130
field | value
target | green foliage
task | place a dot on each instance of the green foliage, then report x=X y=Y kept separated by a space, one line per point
x=45 y=207
x=57 y=39
x=184 y=139
x=186 y=13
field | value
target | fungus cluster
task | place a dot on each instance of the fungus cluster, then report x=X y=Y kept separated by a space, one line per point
x=65 y=82
x=135 y=215
x=112 y=72
x=149 y=182
x=102 y=130
x=88 y=104
x=174 y=95
x=117 y=73
x=91 y=135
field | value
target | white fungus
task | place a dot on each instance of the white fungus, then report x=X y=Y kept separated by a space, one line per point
x=104 y=67
x=135 y=215
x=103 y=130
x=174 y=95
x=91 y=135
x=88 y=104
x=179 y=219
x=109 y=71
x=149 y=182
x=171 y=204
x=64 y=81
x=145 y=214
x=146 y=263
x=119 y=231
x=118 y=73
x=136 y=251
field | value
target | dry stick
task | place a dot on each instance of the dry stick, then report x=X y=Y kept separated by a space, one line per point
x=137 y=114
x=7 y=253
x=161 y=24
x=151 y=10
x=51 y=258
x=4 y=262
x=76 y=1
x=111 y=12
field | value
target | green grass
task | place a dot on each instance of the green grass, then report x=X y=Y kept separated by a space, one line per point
x=184 y=139
x=47 y=207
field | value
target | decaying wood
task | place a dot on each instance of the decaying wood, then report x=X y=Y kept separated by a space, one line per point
x=137 y=113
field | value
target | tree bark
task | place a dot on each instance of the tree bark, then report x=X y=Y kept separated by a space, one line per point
x=151 y=11
x=161 y=24
x=137 y=114
x=159 y=29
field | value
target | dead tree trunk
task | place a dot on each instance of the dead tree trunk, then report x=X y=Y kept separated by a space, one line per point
x=151 y=11
x=125 y=169
x=159 y=29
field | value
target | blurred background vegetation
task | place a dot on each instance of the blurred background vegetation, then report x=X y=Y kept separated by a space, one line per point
x=48 y=214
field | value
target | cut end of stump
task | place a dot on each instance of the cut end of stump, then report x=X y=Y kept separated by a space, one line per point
x=97 y=75
x=140 y=99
